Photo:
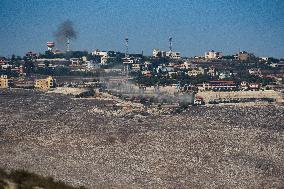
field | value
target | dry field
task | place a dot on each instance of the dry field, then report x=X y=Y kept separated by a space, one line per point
x=88 y=142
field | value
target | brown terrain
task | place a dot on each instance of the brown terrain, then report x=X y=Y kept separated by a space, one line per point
x=92 y=143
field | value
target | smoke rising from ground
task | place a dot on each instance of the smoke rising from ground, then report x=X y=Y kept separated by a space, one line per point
x=131 y=90
x=65 y=32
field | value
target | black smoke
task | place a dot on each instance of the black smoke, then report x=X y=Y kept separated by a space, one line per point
x=65 y=32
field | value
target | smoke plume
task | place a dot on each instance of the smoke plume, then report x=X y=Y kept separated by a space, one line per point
x=64 y=33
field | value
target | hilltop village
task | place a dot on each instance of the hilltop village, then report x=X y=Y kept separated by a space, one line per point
x=108 y=119
x=210 y=79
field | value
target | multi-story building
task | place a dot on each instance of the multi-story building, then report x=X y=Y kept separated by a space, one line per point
x=225 y=74
x=31 y=55
x=213 y=55
x=45 y=84
x=255 y=71
x=196 y=71
x=244 y=56
x=173 y=54
x=244 y=85
x=212 y=71
x=75 y=61
x=157 y=53
x=103 y=54
x=218 y=86
x=136 y=67
x=4 y=82
x=170 y=54
x=2 y=61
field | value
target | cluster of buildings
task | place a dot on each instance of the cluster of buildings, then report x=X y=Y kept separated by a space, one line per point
x=162 y=64
x=43 y=84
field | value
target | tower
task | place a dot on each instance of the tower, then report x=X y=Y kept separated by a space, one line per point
x=68 y=45
x=126 y=58
x=126 y=46
x=50 y=45
x=170 y=43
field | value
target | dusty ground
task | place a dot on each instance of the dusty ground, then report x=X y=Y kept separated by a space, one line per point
x=204 y=147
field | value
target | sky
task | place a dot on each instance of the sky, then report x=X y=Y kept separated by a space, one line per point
x=196 y=26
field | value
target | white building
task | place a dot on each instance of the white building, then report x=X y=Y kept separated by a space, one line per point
x=264 y=58
x=75 y=61
x=103 y=54
x=196 y=71
x=213 y=55
x=157 y=53
x=173 y=54
x=170 y=54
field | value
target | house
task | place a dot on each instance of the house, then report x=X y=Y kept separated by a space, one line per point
x=264 y=59
x=173 y=54
x=147 y=73
x=213 y=55
x=158 y=54
x=31 y=55
x=102 y=54
x=277 y=65
x=244 y=85
x=131 y=60
x=211 y=71
x=244 y=56
x=225 y=74
x=45 y=84
x=198 y=100
x=75 y=61
x=196 y=71
x=164 y=70
x=2 y=61
x=172 y=73
x=255 y=71
x=170 y=54
x=6 y=66
x=136 y=67
x=254 y=86
x=4 y=82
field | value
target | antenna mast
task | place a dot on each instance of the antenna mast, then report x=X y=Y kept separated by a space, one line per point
x=170 y=43
x=126 y=45
x=68 y=45
x=126 y=57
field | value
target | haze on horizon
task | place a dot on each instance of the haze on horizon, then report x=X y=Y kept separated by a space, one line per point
x=196 y=26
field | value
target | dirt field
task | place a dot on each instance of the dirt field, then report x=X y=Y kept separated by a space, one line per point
x=78 y=142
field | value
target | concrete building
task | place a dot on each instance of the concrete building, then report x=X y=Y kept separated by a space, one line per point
x=213 y=55
x=254 y=86
x=212 y=71
x=158 y=54
x=244 y=85
x=75 y=61
x=2 y=61
x=255 y=71
x=277 y=65
x=265 y=59
x=196 y=71
x=224 y=74
x=136 y=67
x=45 y=84
x=103 y=54
x=170 y=54
x=173 y=54
x=31 y=55
x=4 y=82
x=218 y=86
x=244 y=56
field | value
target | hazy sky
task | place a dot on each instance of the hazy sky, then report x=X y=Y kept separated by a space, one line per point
x=196 y=26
